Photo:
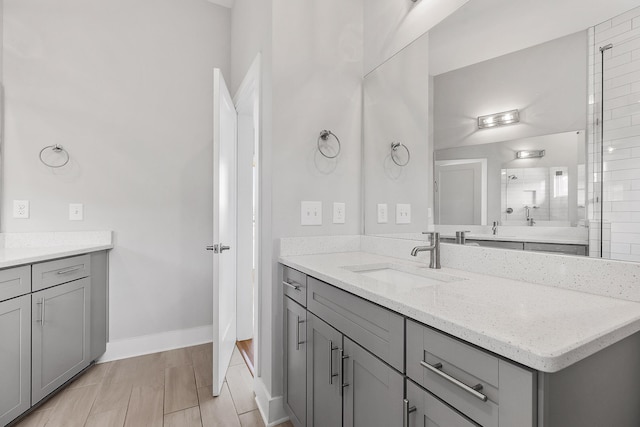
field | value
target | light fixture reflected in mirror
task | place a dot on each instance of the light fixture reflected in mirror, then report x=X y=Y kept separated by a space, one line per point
x=498 y=119
x=529 y=154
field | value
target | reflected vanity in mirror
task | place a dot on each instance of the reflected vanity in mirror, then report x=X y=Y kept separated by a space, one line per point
x=541 y=182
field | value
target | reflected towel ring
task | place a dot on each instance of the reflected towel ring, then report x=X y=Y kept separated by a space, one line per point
x=324 y=136
x=394 y=150
x=56 y=148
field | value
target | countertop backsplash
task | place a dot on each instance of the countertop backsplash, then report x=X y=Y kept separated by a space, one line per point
x=615 y=279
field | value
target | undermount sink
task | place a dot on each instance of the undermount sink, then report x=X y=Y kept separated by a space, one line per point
x=402 y=275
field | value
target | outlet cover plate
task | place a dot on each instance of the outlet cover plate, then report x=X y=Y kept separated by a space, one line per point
x=339 y=213
x=21 y=209
x=311 y=213
x=403 y=213
x=383 y=213
x=76 y=212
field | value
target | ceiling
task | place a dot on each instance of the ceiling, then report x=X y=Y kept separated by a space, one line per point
x=485 y=29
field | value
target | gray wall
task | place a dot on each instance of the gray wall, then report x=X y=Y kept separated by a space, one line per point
x=127 y=88
x=547 y=83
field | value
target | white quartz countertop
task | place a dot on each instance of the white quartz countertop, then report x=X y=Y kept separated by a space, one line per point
x=28 y=248
x=545 y=328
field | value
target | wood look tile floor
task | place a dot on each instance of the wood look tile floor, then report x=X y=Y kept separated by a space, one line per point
x=168 y=389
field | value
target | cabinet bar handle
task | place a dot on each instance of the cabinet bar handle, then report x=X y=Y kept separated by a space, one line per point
x=70 y=269
x=341 y=372
x=472 y=390
x=331 y=350
x=407 y=411
x=42 y=311
x=295 y=286
x=298 y=342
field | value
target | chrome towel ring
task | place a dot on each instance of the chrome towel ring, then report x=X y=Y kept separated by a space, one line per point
x=395 y=146
x=56 y=148
x=324 y=136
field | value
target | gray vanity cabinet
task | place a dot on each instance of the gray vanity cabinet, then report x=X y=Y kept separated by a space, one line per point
x=295 y=360
x=373 y=393
x=324 y=374
x=60 y=335
x=15 y=357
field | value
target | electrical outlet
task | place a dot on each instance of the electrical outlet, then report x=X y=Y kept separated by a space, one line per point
x=21 y=209
x=311 y=213
x=383 y=213
x=76 y=212
x=403 y=213
x=339 y=213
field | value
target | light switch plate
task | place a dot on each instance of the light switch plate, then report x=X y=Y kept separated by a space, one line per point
x=76 y=212
x=311 y=213
x=339 y=213
x=21 y=209
x=383 y=213
x=403 y=213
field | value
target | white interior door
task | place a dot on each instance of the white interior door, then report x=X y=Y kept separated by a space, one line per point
x=461 y=192
x=224 y=229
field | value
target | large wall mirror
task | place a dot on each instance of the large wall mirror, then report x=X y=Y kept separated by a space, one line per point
x=547 y=178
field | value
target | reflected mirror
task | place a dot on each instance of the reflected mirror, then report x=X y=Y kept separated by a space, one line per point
x=548 y=178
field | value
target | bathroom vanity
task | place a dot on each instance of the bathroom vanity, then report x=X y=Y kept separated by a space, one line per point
x=53 y=320
x=371 y=340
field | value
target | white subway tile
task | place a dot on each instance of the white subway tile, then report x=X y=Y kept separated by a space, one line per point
x=625 y=227
x=620 y=248
x=631 y=238
x=626 y=16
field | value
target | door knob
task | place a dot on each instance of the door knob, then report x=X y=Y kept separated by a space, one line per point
x=218 y=248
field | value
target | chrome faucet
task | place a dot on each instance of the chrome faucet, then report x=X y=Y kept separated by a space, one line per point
x=494 y=228
x=461 y=237
x=433 y=248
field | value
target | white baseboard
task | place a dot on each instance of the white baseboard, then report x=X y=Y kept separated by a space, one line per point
x=271 y=408
x=154 y=343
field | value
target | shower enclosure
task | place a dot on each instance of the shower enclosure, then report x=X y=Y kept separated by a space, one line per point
x=614 y=138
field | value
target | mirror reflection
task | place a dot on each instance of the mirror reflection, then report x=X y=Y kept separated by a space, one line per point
x=489 y=58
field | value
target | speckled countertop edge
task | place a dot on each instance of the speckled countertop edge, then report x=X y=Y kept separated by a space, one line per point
x=613 y=325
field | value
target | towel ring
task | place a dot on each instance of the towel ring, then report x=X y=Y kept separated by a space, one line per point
x=324 y=136
x=56 y=148
x=394 y=149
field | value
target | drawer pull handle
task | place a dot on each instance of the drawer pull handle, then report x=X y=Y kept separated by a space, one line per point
x=331 y=350
x=407 y=411
x=70 y=269
x=293 y=285
x=298 y=342
x=472 y=390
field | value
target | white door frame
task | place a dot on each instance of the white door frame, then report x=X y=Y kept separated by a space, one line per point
x=484 y=174
x=247 y=103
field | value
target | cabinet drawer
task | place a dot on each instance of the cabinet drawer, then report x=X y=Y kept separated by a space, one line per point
x=377 y=329
x=451 y=369
x=294 y=285
x=15 y=282
x=51 y=273
x=431 y=411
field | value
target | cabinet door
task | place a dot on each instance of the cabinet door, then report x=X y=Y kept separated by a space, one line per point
x=374 y=395
x=15 y=356
x=295 y=361
x=324 y=394
x=60 y=331
x=424 y=410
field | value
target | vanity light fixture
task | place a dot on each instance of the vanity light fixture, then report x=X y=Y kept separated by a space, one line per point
x=529 y=154
x=498 y=119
